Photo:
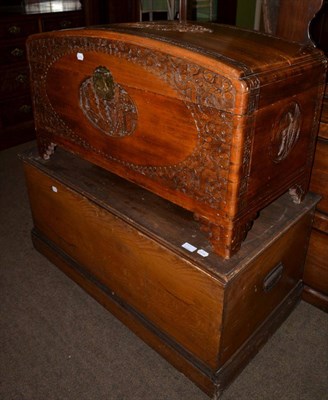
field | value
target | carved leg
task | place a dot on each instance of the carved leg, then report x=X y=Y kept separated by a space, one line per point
x=226 y=236
x=297 y=193
x=217 y=391
x=46 y=148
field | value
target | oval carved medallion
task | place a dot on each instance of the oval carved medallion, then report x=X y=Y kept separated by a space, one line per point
x=107 y=105
x=286 y=131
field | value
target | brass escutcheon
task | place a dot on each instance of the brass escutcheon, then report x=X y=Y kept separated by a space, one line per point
x=103 y=83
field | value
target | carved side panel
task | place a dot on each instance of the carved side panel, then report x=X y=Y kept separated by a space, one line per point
x=285 y=132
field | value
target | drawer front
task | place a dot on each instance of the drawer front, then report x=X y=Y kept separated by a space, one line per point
x=14 y=82
x=16 y=110
x=63 y=21
x=263 y=285
x=319 y=178
x=324 y=112
x=13 y=52
x=18 y=28
x=323 y=131
x=178 y=298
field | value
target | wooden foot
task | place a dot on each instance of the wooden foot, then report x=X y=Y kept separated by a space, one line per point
x=46 y=148
x=226 y=236
x=297 y=193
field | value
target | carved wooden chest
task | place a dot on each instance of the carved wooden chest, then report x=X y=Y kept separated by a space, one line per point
x=218 y=120
x=145 y=259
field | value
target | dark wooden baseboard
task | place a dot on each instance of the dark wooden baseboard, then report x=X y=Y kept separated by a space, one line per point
x=315 y=298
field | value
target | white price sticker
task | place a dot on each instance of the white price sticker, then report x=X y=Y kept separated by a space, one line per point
x=202 y=253
x=80 y=56
x=189 y=247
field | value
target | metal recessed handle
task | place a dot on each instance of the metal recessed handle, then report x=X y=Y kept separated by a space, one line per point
x=273 y=277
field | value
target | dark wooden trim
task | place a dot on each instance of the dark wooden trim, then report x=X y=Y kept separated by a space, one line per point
x=315 y=298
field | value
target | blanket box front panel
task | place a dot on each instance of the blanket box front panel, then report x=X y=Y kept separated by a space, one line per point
x=181 y=300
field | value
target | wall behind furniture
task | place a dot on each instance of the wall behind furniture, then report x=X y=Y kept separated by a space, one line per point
x=246 y=13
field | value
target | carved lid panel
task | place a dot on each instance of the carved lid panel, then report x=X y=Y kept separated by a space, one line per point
x=247 y=52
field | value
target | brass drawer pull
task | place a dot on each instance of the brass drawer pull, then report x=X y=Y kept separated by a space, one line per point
x=273 y=277
x=65 y=24
x=14 y=30
x=21 y=78
x=17 y=52
x=25 y=109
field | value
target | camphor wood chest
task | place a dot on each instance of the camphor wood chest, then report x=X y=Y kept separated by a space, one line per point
x=127 y=248
x=218 y=120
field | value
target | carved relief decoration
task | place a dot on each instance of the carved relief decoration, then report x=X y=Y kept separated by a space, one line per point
x=286 y=131
x=174 y=26
x=204 y=174
x=107 y=105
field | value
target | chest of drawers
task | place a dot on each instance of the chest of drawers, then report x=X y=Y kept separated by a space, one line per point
x=16 y=116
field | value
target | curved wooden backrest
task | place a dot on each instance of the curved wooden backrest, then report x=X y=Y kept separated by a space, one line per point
x=294 y=17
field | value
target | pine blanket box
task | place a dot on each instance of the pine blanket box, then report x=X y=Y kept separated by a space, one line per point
x=146 y=261
x=216 y=119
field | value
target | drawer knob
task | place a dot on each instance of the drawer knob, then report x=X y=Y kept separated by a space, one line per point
x=17 y=52
x=14 y=29
x=273 y=277
x=25 y=109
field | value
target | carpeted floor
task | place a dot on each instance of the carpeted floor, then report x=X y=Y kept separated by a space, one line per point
x=56 y=342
